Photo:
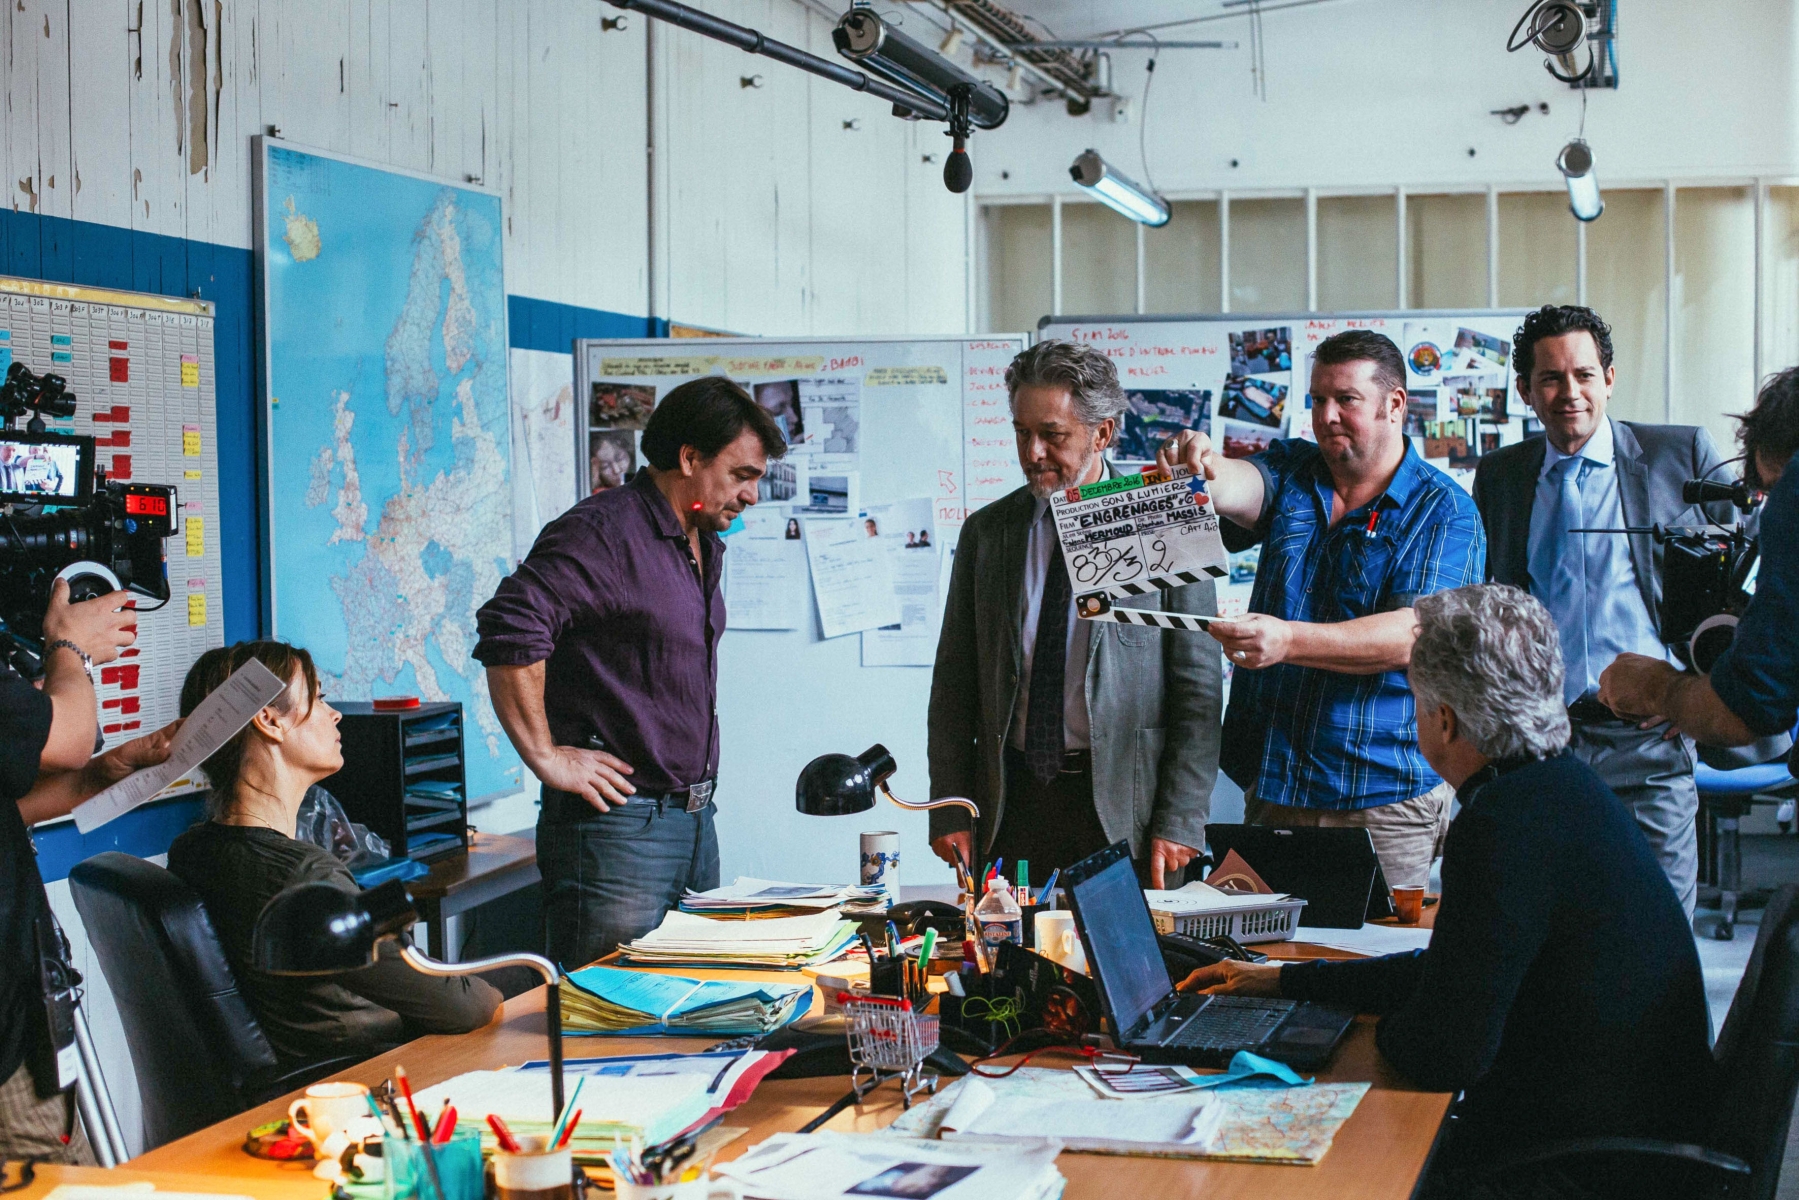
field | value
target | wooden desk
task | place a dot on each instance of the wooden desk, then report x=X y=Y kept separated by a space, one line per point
x=1379 y=1152
x=495 y=865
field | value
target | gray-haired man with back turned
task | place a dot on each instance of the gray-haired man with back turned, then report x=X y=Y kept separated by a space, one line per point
x=1070 y=735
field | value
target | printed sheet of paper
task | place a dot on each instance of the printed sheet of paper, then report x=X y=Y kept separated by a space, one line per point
x=229 y=708
x=907 y=533
x=832 y=411
x=763 y=581
x=1133 y=533
x=850 y=578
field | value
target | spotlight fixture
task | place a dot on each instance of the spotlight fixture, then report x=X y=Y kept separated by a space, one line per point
x=1120 y=191
x=866 y=39
x=1558 y=29
x=1576 y=165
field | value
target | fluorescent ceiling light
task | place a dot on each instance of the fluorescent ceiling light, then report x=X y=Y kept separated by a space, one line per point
x=1576 y=165
x=1118 y=191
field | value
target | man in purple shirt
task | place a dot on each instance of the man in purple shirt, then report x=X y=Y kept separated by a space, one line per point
x=601 y=655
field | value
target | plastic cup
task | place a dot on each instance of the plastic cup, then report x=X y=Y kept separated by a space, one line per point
x=1408 y=903
x=458 y=1166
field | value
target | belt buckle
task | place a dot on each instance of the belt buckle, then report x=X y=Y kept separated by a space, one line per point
x=700 y=795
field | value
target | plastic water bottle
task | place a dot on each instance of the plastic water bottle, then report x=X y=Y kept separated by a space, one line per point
x=999 y=916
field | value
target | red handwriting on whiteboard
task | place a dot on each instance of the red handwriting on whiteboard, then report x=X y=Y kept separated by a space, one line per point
x=1011 y=347
x=946 y=481
x=843 y=364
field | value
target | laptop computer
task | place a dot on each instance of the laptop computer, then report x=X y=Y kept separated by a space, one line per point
x=1147 y=1016
x=1334 y=871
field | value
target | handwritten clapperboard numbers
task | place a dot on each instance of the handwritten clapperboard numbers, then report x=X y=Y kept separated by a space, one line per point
x=1134 y=534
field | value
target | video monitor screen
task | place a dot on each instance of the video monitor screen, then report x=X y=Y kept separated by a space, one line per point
x=45 y=468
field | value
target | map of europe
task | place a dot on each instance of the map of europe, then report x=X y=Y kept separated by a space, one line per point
x=390 y=495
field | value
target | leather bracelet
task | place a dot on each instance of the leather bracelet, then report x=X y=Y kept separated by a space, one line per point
x=87 y=663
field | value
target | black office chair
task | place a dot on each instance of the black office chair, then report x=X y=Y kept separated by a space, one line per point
x=1758 y=1074
x=199 y=1054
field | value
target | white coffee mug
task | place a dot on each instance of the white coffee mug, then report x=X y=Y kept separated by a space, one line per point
x=1058 y=940
x=881 y=862
x=327 y=1108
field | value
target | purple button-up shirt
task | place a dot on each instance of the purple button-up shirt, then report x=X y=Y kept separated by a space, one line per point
x=611 y=597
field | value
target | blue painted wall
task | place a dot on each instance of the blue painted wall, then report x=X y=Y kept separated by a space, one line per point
x=58 y=250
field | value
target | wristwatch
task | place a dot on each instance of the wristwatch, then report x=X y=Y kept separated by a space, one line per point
x=87 y=663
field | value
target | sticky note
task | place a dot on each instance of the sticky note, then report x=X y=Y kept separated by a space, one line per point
x=196 y=608
x=190 y=371
x=190 y=441
x=196 y=536
x=190 y=473
x=61 y=339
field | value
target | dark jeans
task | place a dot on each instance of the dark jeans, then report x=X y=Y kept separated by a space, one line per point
x=609 y=877
x=1051 y=826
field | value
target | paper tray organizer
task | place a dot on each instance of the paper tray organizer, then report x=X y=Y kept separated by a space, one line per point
x=1274 y=921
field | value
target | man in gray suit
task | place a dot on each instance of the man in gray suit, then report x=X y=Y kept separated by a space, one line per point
x=1069 y=734
x=1604 y=590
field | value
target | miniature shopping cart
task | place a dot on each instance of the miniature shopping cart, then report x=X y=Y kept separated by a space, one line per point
x=888 y=1040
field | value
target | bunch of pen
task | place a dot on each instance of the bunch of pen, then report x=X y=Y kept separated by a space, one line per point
x=664 y=1164
x=894 y=974
x=401 y=1127
x=560 y=1132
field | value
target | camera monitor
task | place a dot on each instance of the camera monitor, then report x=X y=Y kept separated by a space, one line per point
x=45 y=468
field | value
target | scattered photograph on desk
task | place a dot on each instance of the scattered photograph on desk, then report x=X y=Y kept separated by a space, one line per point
x=611 y=458
x=1242 y=440
x=912 y=1181
x=1257 y=400
x=1420 y=407
x=1152 y=416
x=1477 y=351
x=1262 y=351
x=780 y=399
x=620 y=406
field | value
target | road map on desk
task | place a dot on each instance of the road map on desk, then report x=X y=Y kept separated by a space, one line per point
x=1262 y=1124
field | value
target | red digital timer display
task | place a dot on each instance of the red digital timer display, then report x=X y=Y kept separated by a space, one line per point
x=145 y=506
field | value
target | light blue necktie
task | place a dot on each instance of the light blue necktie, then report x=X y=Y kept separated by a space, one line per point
x=1558 y=565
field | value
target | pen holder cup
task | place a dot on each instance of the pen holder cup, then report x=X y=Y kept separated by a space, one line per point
x=1029 y=912
x=981 y=1022
x=693 y=1189
x=408 y=1176
x=534 y=1173
x=884 y=977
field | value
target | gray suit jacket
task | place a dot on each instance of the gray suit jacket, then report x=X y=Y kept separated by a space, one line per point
x=1653 y=462
x=1153 y=696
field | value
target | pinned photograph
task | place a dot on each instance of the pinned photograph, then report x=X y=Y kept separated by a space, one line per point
x=1243 y=565
x=1255 y=400
x=1476 y=396
x=1467 y=459
x=829 y=496
x=1477 y=351
x=611 y=458
x=780 y=483
x=1420 y=407
x=1242 y=440
x=1153 y=416
x=1262 y=351
x=1427 y=346
x=1424 y=359
x=780 y=399
x=1445 y=439
x=620 y=406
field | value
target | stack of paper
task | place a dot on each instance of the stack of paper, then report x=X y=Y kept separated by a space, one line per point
x=1144 y=1125
x=1197 y=897
x=836 y=1166
x=605 y=1000
x=757 y=898
x=684 y=939
x=614 y=1109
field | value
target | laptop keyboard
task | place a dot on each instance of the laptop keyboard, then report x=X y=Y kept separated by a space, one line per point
x=1229 y=1022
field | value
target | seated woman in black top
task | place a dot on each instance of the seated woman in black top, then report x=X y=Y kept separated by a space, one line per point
x=245 y=852
x=1561 y=994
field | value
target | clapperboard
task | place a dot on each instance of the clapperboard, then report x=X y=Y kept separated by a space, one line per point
x=1134 y=534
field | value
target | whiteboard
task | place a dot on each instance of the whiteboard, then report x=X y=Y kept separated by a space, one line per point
x=933 y=423
x=1246 y=374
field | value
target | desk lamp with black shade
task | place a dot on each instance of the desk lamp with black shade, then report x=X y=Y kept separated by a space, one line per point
x=320 y=929
x=837 y=785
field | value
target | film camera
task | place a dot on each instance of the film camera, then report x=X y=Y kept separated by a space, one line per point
x=60 y=518
x=1708 y=574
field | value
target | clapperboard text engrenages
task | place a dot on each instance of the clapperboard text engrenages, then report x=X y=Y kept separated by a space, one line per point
x=1133 y=534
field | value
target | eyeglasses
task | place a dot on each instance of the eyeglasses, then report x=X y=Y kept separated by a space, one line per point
x=1112 y=1063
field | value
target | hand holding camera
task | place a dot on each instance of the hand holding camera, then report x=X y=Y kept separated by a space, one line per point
x=101 y=627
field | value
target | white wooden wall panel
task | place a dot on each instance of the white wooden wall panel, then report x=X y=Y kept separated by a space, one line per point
x=99 y=127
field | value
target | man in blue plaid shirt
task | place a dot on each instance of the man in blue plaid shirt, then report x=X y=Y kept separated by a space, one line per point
x=1321 y=729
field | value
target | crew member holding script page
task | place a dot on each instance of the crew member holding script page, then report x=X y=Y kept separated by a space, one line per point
x=602 y=656
x=1321 y=729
